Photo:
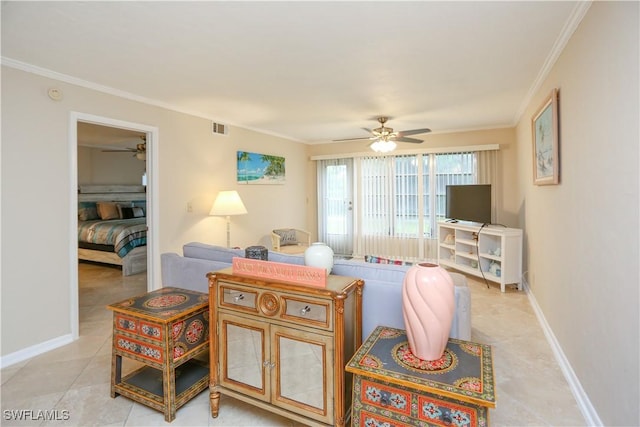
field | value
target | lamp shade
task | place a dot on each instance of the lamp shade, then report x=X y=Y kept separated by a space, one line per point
x=228 y=203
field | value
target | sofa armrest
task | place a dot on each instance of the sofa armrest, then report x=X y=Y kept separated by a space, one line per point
x=275 y=241
x=303 y=237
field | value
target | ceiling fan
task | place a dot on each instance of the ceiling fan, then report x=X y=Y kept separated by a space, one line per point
x=140 y=152
x=384 y=138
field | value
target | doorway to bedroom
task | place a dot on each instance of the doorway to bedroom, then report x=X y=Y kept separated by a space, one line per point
x=113 y=231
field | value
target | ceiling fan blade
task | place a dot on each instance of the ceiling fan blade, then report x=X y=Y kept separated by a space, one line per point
x=350 y=139
x=123 y=150
x=413 y=132
x=405 y=139
x=355 y=139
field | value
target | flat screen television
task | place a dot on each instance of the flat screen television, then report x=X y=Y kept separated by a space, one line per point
x=469 y=203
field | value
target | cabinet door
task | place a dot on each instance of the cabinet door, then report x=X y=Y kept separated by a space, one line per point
x=243 y=358
x=303 y=377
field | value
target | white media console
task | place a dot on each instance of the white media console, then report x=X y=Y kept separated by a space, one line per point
x=493 y=252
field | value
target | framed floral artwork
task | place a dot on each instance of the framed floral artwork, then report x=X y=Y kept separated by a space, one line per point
x=544 y=124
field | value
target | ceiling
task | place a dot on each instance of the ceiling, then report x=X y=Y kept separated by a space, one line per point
x=96 y=136
x=308 y=71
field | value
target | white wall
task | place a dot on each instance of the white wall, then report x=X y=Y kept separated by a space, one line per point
x=98 y=167
x=37 y=171
x=582 y=235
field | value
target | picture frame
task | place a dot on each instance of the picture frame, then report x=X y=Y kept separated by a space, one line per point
x=259 y=169
x=544 y=126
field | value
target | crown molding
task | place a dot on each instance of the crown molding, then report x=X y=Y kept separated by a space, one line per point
x=29 y=68
x=578 y=13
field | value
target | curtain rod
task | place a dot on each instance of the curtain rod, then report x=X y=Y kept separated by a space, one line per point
x=442 y=150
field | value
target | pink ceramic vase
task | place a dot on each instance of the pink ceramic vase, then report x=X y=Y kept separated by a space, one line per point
x=428 y=307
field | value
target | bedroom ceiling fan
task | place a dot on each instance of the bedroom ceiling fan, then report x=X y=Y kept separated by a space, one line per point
x=140 y=152
x=384 y=139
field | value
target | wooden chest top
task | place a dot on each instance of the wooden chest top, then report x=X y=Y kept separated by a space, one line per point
x=464 y=372
x=163 y=305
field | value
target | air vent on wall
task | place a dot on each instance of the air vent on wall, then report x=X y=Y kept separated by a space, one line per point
x=220 y=129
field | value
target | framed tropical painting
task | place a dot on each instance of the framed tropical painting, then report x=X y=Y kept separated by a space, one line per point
x=255 y=168
x=544 y=124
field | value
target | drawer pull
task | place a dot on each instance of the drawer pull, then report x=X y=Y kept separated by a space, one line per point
x=384 y=398
x=305 y=310
x=237 y=298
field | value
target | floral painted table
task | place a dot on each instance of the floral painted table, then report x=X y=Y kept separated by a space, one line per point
x=167 y=330
x=392 y=387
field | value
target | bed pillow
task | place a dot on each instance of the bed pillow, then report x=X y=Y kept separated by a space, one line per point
x=131 y=212
x=87 y=211
x=140 y=204
x=108 y=210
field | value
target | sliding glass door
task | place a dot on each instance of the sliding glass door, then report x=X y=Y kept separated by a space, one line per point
x=335 y=205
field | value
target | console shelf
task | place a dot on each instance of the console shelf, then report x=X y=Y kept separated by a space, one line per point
x=492 y=252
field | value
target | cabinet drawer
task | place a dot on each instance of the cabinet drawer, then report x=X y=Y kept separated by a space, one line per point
x=238 y=298
x=138 y=327
x=432 y=408
x=386 y=397
x=305 y=311
x=398 y=406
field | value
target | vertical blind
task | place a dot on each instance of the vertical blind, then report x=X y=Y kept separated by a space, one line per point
x=398 y=199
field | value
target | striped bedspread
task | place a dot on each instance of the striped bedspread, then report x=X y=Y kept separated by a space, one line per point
x=122 y=234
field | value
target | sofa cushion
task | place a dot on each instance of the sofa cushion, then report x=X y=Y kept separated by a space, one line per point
x=286 y=258
x=211 y=252
x=226 y=255
x=382 y=296
x=370 y=271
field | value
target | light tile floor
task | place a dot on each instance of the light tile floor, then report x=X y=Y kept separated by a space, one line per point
x=531 y=390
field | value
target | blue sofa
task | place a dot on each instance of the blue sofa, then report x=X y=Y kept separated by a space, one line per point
x=381 y=298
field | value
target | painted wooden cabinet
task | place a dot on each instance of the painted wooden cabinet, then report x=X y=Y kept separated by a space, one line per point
x=165 y=330
x=283 y=347
x=393 y=387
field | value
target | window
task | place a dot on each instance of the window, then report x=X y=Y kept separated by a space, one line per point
x=397 y=191
x=398 y=200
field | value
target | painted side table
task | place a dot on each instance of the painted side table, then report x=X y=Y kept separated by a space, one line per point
x=392 y=387
x=167 y=330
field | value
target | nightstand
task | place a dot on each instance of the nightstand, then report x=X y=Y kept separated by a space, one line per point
x=167 y=330
x=393 y=387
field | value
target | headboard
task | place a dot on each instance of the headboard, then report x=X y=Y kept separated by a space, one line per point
x=111 y=193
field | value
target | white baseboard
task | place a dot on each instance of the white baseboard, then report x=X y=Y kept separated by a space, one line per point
x=34 y=350
x=584 y=404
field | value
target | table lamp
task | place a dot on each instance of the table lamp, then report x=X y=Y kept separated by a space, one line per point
x=228 y=203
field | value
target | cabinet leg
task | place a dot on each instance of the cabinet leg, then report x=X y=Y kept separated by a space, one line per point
x=169 y=389
x=214 y=398
x=116 y=373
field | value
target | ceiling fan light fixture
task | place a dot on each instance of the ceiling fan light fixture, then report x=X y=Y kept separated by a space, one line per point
x=383 y=145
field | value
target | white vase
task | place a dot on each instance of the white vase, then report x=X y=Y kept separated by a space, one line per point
x=319 y=255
